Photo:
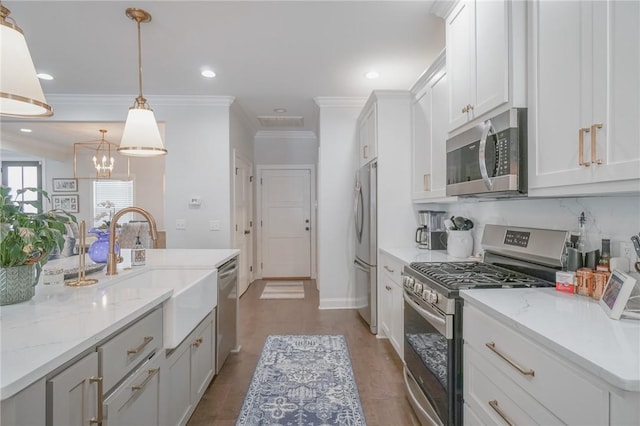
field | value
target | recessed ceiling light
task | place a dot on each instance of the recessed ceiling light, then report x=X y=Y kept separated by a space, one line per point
x=44 y=76
x=208 y=73
x=280 y=110
x=372 y=75
x=25 y=130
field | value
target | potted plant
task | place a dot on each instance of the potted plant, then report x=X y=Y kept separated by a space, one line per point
x=26 y=240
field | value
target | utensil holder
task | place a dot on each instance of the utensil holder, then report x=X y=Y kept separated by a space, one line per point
x=459 y=243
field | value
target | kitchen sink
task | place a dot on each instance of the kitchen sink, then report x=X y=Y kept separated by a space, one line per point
x=194 y=296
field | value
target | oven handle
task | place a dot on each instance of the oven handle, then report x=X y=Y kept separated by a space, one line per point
x=482 y=160
x=433 y=317
x=416 y=403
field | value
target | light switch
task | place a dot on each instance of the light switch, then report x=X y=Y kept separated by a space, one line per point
x=214 y=225
x=181 y=224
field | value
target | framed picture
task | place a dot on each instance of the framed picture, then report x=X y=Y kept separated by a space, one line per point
x=65 y=185
x=616 y=294
x=67 y=202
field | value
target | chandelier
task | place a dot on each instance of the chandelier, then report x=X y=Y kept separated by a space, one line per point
x=105 y=166
x=101 y=156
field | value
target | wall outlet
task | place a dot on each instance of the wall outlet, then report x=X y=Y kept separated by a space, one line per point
x=214 y=225
x=181 y=224
x=627 y=250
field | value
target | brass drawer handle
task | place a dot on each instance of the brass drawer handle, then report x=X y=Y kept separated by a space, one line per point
x=198 y=342
x=99 y=419
x=152 y=372
x=465 y=109
x=387 y=287
x=492 y=346
x=581 y=133
x=388 y=269
x=494 y=405
x=144 y=343
x=594 y=127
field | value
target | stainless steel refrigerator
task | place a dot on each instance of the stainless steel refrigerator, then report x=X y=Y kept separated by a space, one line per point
x=365 y=219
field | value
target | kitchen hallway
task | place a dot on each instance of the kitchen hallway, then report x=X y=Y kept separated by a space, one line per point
x=377 y=368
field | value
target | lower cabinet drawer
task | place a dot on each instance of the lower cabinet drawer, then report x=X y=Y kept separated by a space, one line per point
x=125 y=351
x=569 y=392
x=137 y=400
x=392 y=268
x=497 y=400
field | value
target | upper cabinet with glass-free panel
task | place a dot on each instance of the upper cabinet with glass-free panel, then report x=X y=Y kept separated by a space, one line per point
x=486 y=59
x=584 y=86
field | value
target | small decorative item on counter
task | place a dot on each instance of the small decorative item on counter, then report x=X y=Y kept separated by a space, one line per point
x=565 y=281
x=584 y=281
x=138 y=253
x=53 y=276
x=605 y=256
x=600 y=279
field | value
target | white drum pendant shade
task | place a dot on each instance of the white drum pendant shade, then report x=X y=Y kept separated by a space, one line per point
x=141 y=137
x=20 y=91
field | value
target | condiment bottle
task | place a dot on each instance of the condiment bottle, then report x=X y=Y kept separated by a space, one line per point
x=138 y=253
x=605 y=256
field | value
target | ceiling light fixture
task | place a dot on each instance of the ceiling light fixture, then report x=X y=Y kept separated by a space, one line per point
x=208 y=73
x=20 y=91
x=101 y=156
x=105 y=166
x=44 y=76
x=372 y=75
x=141 y=136
x=280 y=110
x=25 y=130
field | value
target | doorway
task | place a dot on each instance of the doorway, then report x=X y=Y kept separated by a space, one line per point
x=243 y=217
x=286 y=237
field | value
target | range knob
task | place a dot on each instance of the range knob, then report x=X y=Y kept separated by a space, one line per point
x=417 y=287
x=408 y=281
x=425 y=294
x=433 y=297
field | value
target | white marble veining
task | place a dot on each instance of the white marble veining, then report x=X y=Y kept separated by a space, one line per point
x=574 y=327
x=413 y=254
x=61 y=322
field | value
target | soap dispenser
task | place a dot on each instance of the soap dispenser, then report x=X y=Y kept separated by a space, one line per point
x=138 y=253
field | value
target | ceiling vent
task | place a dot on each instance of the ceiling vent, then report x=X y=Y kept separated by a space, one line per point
x=280 y=121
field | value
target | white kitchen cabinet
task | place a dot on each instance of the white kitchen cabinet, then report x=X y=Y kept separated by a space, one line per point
x=507 y=375
x=486 y=58
x=428 y=142
x=190 y=369
x=584 y=97
x=27 y=407
x=74 y=394
x=391 y=312
x=368 y=135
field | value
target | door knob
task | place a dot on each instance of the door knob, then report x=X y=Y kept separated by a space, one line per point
x=306 y=221
x=306 y=228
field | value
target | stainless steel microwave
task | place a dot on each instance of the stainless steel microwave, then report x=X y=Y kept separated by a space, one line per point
x=490 y=159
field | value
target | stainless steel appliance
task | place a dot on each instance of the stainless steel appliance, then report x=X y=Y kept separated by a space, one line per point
x=227 y=313
x=365 y=220
x=490 y=159
x=513 y=257
x=431 y=233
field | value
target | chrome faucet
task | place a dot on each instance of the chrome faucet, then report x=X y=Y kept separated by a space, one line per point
x=112 y=258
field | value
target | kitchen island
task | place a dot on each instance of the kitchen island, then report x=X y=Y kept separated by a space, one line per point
x=61 y=324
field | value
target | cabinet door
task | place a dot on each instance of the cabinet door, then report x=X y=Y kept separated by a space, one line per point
x=460 y=29
x=384 y=322
x=73 y=394
x=559 y=92
x=178 y=386
x=397 y=319
x=368 y=136
x=616 y=65
x=202 y=359
x=137 y=400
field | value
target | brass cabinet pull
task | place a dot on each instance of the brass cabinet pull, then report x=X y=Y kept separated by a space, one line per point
x=387 y=287
x=494 y=405
x=144 y=343
x=198 y=342
x=469 y=107
x=594 y=127
x=99 y=419
x=364 y=151
x=581 y=133
x=388 y=269
x=492 y=346
x=465 y=109
x=152 y=372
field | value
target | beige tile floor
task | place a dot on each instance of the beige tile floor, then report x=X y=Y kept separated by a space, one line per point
x=377 y=368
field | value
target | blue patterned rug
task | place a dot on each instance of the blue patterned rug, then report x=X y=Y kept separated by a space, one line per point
x=303 y=380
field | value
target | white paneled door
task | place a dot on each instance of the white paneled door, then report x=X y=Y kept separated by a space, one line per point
x=243 y=237
x=286 y=223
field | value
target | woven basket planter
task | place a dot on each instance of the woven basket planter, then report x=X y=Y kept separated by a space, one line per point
x=17 y=284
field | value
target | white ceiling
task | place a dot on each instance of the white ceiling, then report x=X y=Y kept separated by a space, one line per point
x=267 y=54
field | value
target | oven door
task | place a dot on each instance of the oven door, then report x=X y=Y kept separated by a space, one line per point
x=429 y=355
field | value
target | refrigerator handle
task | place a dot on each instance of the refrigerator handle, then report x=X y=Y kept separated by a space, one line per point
x=362 y=266
x=358 y=208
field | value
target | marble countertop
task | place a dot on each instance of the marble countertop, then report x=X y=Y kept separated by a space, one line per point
x=574 y=327
x=61 y=322
x=413 y=254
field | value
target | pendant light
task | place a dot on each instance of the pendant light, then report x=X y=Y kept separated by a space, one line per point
x=141 y=137
x=20 y=91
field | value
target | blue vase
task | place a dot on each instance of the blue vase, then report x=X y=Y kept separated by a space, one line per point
x=100 y=248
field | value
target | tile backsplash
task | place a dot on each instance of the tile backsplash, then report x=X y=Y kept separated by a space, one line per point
x=616 y=218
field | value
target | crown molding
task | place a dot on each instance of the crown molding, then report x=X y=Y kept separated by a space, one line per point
x=285 y=134
x=339 y=102
x=167 y=100
x=442 y=8
x=436 y=66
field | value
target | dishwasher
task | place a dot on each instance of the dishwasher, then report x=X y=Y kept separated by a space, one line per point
x=227 y=312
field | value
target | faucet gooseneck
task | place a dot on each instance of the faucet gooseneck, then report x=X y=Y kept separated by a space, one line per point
x=112 y=258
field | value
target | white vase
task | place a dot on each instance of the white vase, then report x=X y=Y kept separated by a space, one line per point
x=459 y=243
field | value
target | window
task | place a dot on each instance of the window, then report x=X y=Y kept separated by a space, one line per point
x=23 y=174
x=110 y=196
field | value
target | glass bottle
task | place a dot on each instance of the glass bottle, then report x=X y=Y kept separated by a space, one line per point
x=138 y=253
x=605 y=256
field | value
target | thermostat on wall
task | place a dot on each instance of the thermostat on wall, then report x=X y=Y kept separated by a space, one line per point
x=195 y=201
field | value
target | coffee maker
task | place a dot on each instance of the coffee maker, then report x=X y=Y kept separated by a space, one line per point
x=431 y=234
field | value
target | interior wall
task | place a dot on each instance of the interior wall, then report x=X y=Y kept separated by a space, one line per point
x=337 y=161
x=286 y=148
x=615 y=218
